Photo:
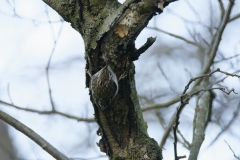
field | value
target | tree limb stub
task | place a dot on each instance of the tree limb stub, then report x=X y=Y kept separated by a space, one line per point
x=142 y=49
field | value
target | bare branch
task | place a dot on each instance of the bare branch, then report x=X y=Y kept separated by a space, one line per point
x=236 y=16
x=8 y=92
x=226 y=127
x=222 y=8
x=65 y=8
x=186 y=21
x=48 y=112
x=208 y=75
x=216 y=41
x=201 y=118
x=185 y=97
x=175 y=128
x=168 y=129
x=32 y=135
x=193 y=92
x=194 y=10
x=36 y=22
x=232 y=151
x=160 y=119
x=50 y=58
x=228 y=58
x=165 y=76
x=178 y=37
x=211 y=19
x=142 y=49
x=161 y=105
x=187 y=144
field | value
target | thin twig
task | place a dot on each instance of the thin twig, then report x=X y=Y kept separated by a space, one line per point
x=49 y=112
x=186 y=96
x=232 y=151
x=236 y=16
x=161 y=105
x=32 y=135
x=36 y=22
x=209 y=75
x=222 y=79
x=8 y=92
x=186 y=21
x=50 y=58
x=178 y=37
x=194 y=11
x=214 y=44
x=175 y=127
x=160 y=118
x=216 y=41
x=228 y=58
x=163 y=124
x=185 y=100
x=165 y=76
x=226 y=127
x=187 y=144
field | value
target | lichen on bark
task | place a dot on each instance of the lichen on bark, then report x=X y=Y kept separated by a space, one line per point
x=109 y=30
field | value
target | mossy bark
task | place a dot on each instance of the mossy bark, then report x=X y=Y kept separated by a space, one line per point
x=109 y=30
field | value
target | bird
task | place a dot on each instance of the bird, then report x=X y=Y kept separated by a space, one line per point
x=104 y=87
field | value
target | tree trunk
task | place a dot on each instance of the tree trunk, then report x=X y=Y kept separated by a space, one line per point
x=109 y=30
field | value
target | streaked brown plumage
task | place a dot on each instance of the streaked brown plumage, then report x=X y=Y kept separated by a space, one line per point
x=104 y=87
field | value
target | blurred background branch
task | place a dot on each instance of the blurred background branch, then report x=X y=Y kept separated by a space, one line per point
x=32 y=135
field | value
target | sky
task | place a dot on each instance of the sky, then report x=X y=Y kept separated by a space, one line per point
x=27 y=40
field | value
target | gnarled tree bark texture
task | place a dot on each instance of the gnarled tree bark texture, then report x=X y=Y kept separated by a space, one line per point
x=109 y=30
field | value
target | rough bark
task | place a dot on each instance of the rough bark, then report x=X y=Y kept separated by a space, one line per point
x=109 y=30
x=201 y=119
